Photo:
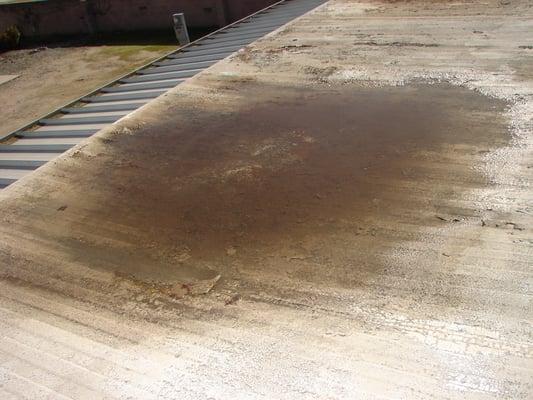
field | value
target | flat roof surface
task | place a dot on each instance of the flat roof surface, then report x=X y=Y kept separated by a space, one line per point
x=360 y=181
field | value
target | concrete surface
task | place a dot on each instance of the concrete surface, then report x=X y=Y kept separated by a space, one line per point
x=361 y=182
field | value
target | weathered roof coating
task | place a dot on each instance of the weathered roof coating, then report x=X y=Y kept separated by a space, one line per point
x=361 y=183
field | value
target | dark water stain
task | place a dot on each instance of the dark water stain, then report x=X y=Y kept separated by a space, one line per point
x=290 y=163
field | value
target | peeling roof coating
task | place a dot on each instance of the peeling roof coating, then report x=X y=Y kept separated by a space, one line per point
x=361 y=182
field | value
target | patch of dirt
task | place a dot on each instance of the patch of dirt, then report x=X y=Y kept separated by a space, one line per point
x=52 y=77
x=308 y=168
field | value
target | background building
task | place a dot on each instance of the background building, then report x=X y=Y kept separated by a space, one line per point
x=41 y=18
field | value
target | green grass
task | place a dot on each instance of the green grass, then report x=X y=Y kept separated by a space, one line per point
x=129 y=52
